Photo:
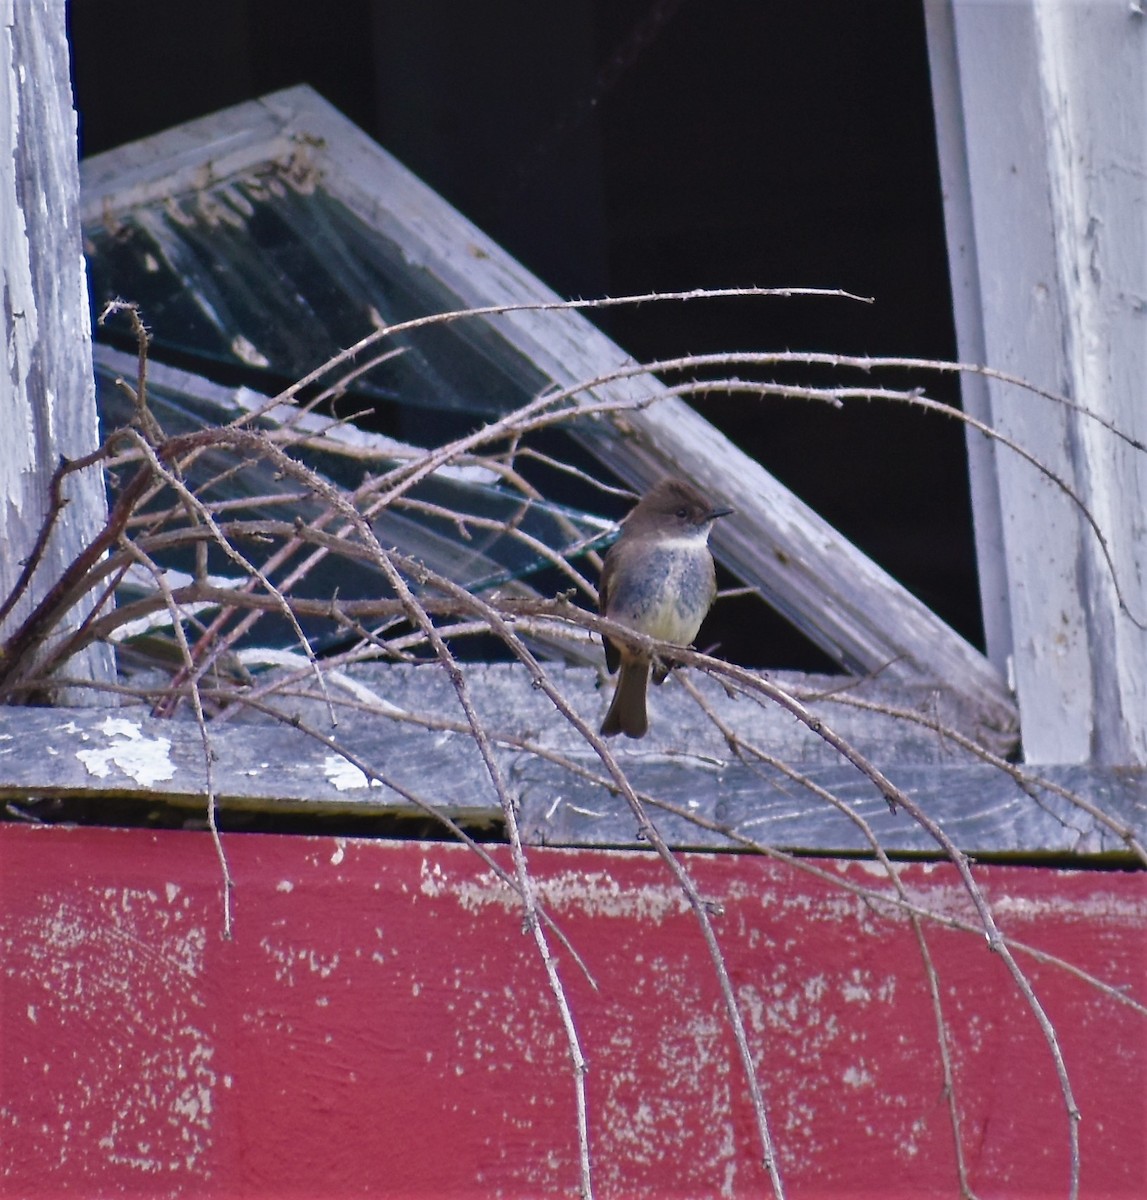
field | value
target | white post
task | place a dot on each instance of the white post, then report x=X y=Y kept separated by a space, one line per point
x=47 y=390
x=1045 y=179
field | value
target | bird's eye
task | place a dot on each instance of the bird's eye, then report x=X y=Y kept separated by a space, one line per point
x=682 y=513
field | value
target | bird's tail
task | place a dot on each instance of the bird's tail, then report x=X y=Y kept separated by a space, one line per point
x=627 y=708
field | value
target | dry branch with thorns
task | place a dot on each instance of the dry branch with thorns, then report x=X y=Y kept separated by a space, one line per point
x=209 y=622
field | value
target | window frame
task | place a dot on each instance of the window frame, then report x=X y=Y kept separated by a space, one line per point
x=1042 y=160
x=773 y=542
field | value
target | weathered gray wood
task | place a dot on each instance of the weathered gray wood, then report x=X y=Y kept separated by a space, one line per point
x=272 y=765
x=981 y=809
x=967 y=307
x=850 y=607
x=554 y=777
x=1045 y=167
x=80 y=753
x=47 y=398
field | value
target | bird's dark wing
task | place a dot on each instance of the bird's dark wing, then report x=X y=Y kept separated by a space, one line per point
x=612 y=656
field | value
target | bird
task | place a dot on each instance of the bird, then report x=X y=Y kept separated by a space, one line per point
x=658 y=579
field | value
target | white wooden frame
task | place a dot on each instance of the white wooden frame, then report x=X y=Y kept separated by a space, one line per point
x=47 y=389
x=1041 y=112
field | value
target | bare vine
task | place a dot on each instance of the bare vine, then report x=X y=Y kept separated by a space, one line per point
x=271 y=552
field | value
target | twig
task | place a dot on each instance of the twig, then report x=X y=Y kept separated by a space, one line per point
x=201 y=722
x=653 y=835
x=741 y=747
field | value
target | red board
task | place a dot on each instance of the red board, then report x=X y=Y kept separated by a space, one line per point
x=381 y=1025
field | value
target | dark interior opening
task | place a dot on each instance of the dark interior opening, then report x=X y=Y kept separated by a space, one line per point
x=623 y=146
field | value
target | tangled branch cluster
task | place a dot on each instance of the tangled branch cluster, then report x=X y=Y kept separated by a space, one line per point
x=156 y=513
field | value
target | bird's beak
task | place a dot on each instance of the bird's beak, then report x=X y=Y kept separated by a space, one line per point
x=714 y=513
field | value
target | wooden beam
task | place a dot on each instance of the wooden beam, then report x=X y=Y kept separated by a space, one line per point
x=1044 y=165
x=981 y=809
x=378 y=1024
x=967 y=307
x=413 y=739
x=47 y=392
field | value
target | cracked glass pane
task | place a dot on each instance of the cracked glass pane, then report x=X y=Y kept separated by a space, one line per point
x=458 y=521
x=269 y=275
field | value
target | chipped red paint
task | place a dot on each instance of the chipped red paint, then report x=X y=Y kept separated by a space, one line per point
x=380 y=1025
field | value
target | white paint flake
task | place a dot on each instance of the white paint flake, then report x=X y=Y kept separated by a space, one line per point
x=590 y=891
x=146 y=760
x=248 y=352
x=858 y=1077
x=123 y=961
x=346 y=776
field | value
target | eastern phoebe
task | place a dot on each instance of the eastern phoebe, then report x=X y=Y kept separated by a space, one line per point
x=658 y=579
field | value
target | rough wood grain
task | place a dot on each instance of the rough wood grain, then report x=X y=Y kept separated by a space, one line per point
x=47 y=393
x=277 y=767
x=982 y=811
x=968 y=311
x=1049 y=253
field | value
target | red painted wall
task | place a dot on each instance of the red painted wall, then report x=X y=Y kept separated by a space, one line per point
x=381 y=1025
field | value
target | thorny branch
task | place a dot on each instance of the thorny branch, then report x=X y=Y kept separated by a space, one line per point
x=175 y=502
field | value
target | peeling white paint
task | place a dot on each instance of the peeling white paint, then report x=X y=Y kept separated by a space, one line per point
x=120 y=727
x=815 y=987
x=345 y=776
x=590 y=891
x=697 y=1068
x=858 y=1077
x=854 y=990
x=146 y=760
x=148 y=1102
x=289 y=958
